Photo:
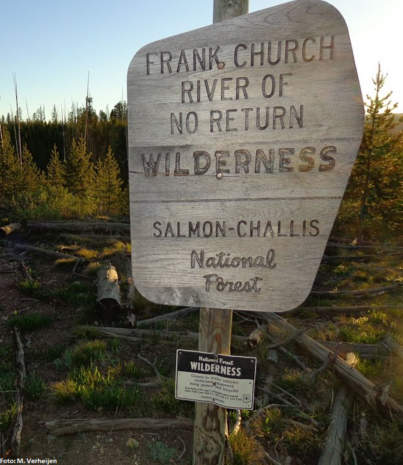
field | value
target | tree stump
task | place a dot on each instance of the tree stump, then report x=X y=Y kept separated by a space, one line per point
x=108 y=293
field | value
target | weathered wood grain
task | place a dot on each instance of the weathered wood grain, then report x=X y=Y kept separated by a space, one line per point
x=211 y=420
x=333 y=451
x=242 y=136
x=62 y=427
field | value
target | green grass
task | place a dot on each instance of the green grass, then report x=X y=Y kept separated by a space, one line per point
x=132 y=371
x=383 y=444
x=87 y=333
x=31 y=322
x=246 y=449
x=32 y=288
x=7 y=382
x=299 y=441
x=77 y=294
x=34 y=387
x=7 y=417
x=165 y=400
x=48 y=354
x=84 y=353
x=98 y=390
x=296 y=382
x=369 y=368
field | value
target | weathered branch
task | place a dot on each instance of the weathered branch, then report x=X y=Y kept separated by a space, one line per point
x=25 y=272
x=78 y=226
x=168 y=316
x=61 y=427
x=148 y=333
x=337 y=310
x=19 y=400
x=332 y=454
x=357 y=292
x=49 y=253
x=359 y=257
x=363 y=386
x=392 y=345
x=364 y=350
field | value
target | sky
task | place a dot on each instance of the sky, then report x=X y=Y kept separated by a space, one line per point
x=54 y=48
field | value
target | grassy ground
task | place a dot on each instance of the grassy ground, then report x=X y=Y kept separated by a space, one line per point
x=75 y=372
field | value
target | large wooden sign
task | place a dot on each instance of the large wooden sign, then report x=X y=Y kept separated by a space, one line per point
x=242 y=136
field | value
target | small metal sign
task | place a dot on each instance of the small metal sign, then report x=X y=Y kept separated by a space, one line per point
x=224 y=380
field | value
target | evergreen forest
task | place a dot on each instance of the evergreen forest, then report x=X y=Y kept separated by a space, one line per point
x=76 y=167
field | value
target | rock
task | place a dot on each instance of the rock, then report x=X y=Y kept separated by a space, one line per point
x=132 y=443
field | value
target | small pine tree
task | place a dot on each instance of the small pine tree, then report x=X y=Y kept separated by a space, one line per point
x=108 y=185
x=56 y=169
x=30 y=182
x=374 y=191
x=10 y=171
x=79 y=175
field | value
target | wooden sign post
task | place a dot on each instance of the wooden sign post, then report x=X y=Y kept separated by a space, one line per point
x=242 y=137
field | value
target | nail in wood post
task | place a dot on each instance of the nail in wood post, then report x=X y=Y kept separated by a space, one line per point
x=215 y=327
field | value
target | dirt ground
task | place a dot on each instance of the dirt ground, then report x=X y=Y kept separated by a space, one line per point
x=89 y=447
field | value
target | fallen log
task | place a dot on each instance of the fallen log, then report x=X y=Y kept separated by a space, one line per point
x=167 y=316
x=146 y=334
x=358 y=247
x=61 y=427
x=364 y=350
x=49 y=253
x=19 y=399
x=10 y=228
x=393 y=346
x=372 y=394
x=78 y=226
x=332 y=453
x=94 y=238
x=108 y=292
x=358 y=292
x=359 y=257
x=337 y=310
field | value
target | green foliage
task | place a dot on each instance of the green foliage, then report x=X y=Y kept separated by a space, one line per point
x=294 y=438
x=162 y=453
x=108 y=185
x=246 y=449
x=383 y=444
x=7 y=382
x=31 y=287
x=165 y=400
x=373 y=203
x=77 y=294
x=49 y=354
x=295 y=382
x=131 y=370
x=34 y=387
x=7 y=417
x=84 y=353
x=30 y=322
x=56 y=170
x=369 y=368
x=97 y=390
